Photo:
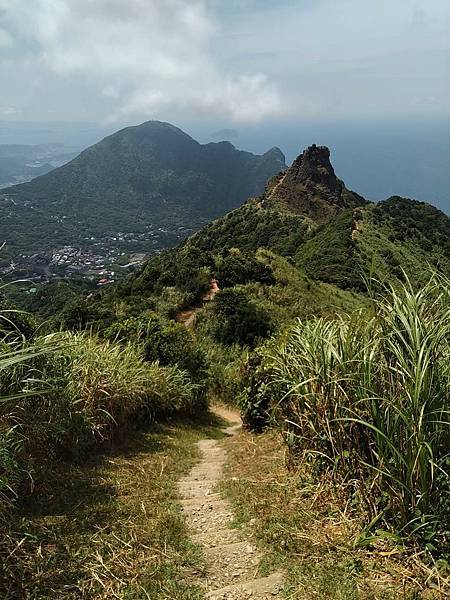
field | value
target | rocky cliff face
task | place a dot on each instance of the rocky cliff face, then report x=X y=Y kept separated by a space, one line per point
x=310 y=187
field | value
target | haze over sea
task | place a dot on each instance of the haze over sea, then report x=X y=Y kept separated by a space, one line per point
x=376 y=158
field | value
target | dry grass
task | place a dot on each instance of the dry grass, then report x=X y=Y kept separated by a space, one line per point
x=312 y=531
x=111 y=528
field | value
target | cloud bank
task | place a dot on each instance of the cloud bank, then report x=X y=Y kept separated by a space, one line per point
x=225 y=61
x=144 y=57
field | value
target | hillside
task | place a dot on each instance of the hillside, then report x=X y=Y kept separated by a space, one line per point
x=343 y=392
x=310 y=187
x=145 y=186
x=329 y=233
x=306 y=227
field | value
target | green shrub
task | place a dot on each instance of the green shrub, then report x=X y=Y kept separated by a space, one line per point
x=238 y=268
x=170 y=302
x=371 y=392
x=329 y=255
x=234 y=319
x=84 y=314
x=73 y=391
x=164 y=341
x=112 y=385
x=225 y=370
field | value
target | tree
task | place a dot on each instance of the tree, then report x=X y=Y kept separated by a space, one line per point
x=238 y=320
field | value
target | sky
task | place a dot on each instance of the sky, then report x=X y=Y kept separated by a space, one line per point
x=369 y=78
x=240 y=61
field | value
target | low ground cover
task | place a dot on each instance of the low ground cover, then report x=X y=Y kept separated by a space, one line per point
x=112 y=527
x=313 y=532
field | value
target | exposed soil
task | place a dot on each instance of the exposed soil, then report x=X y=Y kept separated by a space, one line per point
x=232 y=562
x=189 y=316
x=276 y=187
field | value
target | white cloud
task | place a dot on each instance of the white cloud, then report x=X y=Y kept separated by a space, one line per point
x=5 y=39
x=147 y=57
x=224 y=60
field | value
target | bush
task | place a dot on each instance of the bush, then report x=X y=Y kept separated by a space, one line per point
x=72 y=392
x=371 y=392
x=329 y=255
x=237 y=320
x=164 y=341
x=238 y=268
x=112 y=385
x=84 y=314
x=225 y=370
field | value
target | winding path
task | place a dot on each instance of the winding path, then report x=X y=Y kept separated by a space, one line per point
x=188 y=317
x=275 y=188
x=232 y=563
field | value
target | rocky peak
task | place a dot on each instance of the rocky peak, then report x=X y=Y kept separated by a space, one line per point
x=310 y=187
x=314 y=165
x=275 y=152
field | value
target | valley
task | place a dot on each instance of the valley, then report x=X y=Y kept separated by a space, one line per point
x=96 y=259
x=20 y=163
x=138 y=191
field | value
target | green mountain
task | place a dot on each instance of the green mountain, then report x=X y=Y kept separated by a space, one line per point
x=327 y=232
x=119 y=362
x=145 y=177
x=302 y=247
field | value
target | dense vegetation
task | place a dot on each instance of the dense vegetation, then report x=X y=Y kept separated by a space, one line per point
x=366 y=396
x=358 y=384
x=65 y=395
x=153 y=174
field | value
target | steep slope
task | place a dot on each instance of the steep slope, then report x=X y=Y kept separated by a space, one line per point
x=310 y=187
x=150 y=175
x=329 y=233
x=386 y=240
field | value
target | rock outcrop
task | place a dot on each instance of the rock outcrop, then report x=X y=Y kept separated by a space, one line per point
x=310 y=187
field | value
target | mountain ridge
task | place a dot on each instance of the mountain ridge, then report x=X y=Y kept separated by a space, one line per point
x=329 y=233
x=334 y=240
x=149 y=175
x=310 y=186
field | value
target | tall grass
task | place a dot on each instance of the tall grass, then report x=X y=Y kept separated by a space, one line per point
x=62 y=395
x=410 y=405
x=225 y=369
x=369 y=395
x=17 y=353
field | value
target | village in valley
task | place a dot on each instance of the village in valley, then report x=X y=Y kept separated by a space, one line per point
x=101 y=261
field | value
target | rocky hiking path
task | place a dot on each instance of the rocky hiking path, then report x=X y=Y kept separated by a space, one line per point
x=232 y=563
x=277 y=186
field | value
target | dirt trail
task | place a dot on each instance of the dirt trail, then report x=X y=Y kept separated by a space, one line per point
x=188 y=317
x=275 y=189
x=232 y=563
